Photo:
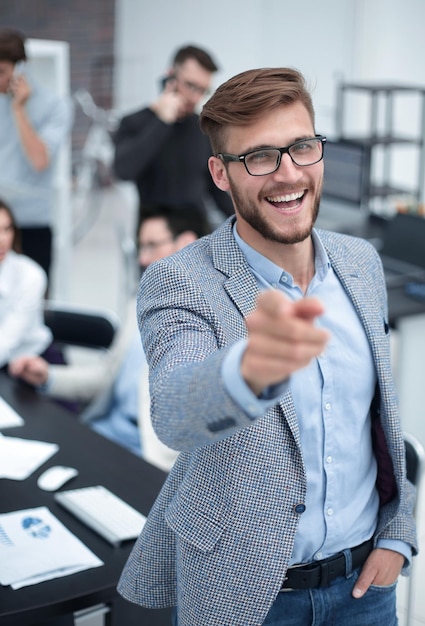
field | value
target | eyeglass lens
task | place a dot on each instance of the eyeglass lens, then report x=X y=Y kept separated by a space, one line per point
x=267 y=161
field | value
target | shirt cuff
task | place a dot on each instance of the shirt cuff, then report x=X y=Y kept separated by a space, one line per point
x=239 y=391
x=45 y=388
x=397 y=546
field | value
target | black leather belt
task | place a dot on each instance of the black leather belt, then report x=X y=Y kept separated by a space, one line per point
x=320 y=573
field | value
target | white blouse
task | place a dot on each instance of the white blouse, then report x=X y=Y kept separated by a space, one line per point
x=22 y=288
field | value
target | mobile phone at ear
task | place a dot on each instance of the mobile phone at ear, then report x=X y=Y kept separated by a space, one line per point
x=166 y=79
x=18 y=70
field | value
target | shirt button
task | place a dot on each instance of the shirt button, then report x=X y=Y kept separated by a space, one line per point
x=283 y=279
x=330 y=511
x=299 y=508
x=328 y=406
x=328 y=459
x=319 y=556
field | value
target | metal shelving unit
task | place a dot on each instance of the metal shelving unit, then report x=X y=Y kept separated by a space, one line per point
x=383 y=135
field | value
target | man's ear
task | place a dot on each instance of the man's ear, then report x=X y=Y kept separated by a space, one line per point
x=218 y=173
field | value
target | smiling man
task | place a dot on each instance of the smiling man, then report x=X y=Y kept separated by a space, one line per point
x=269 y=359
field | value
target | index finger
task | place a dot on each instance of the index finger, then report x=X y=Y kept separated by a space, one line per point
x=274 y=303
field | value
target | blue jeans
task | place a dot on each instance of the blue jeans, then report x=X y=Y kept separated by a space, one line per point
x=333 y=606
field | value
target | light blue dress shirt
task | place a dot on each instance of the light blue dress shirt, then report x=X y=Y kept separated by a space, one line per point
x=31 y=193
x=333 y=416
x=120 y=422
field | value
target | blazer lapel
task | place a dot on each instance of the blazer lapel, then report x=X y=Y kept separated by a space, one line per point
x=243 y=290
x=228 y=258
x=356 y=282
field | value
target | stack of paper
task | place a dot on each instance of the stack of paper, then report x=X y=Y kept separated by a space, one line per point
x=8 y=416
x=35 y=546
x=19 y=458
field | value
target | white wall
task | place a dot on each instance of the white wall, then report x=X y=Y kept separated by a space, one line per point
x=389 y=40
x=354 y=39
x=240 y=34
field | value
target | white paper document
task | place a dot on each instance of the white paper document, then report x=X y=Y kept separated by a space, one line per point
x=19 y=458
x=8 y=416
x=35 y=546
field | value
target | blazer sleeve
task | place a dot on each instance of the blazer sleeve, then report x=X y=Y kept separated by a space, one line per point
x=185 y=341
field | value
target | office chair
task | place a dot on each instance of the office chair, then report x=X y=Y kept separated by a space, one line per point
x=75 y=328
x=80 y=326
x=415 y=463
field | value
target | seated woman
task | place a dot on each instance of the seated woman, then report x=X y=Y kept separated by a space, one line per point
x=22 y=287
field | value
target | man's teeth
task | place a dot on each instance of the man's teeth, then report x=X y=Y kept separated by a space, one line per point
x=288 y=198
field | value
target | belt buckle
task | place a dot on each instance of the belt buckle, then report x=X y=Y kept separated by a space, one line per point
x=284 y=589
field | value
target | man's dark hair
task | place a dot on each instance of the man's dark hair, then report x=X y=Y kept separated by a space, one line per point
x=179 y=218
x=193 y=52
x=12 y=46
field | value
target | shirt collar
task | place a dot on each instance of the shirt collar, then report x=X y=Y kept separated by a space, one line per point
x=271 y=272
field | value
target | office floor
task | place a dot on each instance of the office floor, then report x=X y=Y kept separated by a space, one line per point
x=99 y=279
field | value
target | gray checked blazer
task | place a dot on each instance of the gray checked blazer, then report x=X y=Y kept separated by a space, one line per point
x=220 y=534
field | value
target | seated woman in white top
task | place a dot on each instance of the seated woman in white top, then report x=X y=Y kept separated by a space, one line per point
x=22 y=288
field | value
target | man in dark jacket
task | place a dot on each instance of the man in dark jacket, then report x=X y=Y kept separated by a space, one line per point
x=162 y=149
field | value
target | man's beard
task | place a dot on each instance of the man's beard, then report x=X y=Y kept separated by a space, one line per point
x=250 y=212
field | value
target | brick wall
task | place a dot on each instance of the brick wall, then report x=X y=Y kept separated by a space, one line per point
x=88 y=27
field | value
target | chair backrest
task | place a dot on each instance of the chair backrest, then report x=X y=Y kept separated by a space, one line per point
x=415 y=461
x=81 y=326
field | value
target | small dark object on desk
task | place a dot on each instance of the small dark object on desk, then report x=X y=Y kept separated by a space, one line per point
x=415 y=290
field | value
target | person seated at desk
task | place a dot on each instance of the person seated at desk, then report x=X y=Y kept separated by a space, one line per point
x=119 y=383
x=22 y=286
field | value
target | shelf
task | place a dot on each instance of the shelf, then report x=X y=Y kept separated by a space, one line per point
x=384 y=134
x=383 y=191
x=374 y=88
x=383 y=140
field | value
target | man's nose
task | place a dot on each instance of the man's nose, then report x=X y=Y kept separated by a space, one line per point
x=287 y=170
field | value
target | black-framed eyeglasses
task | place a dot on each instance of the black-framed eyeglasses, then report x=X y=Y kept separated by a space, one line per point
x=197 y=90
x=194 y=88
x=267 y=160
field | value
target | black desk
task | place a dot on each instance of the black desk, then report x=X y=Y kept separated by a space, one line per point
x=400 y=305
x=99 y=461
